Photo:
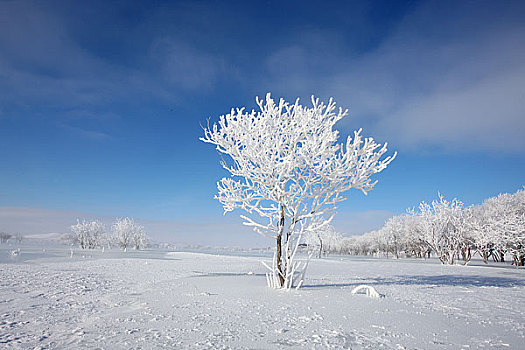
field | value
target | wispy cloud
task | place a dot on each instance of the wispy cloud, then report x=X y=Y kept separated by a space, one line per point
x=90 y=134
x=453 y=79
x=447 y=75
x=45 y=63
x=183 y=66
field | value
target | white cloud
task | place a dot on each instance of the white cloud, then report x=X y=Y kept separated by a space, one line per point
x=184 y=67
x=45 y=64
x=487 y=115
x=452 y=80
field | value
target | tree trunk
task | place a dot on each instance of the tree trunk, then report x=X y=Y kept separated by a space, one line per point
x=280 y=248
x=279 y=257
x=485 y=257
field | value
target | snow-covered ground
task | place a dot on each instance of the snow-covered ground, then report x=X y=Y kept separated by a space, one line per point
x=158 y=299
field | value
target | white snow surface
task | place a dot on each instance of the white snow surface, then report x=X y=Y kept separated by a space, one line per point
x=183 y=300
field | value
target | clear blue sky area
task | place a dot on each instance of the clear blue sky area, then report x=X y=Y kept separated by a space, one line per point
x=101 y=103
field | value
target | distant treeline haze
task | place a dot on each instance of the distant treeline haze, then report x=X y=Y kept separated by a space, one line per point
x=449 y=231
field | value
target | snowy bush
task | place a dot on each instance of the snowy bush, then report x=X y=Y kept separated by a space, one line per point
x=127 y=234
x=88 y=234
x=286 y=167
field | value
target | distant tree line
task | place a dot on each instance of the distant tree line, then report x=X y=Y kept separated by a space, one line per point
x=449 y=231
x=322 y=241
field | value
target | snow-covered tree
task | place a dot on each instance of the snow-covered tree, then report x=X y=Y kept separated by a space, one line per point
x=484 y=240
x=506 y=220
x=323 y=241
x=88 y=234
x=441 y=227
x=412 y=238
x=140 y=240
x=19 y=238
x=287 y=168
x=393 y=233
x=129 y=234
x=4 y=237
x=355 y=245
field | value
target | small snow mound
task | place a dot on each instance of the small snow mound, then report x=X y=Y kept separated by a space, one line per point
x=368 y=290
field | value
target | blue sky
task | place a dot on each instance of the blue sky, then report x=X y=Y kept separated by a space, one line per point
x=101 y=104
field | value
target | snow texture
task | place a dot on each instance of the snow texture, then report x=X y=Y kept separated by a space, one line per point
x=155 y=299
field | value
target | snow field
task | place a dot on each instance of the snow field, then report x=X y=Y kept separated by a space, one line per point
x=182 y=300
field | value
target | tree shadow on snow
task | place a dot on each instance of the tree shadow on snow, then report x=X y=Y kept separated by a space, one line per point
x=226 y=274
x=435 y=281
